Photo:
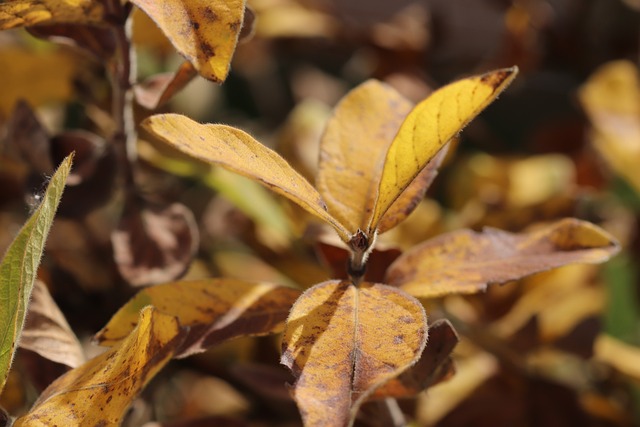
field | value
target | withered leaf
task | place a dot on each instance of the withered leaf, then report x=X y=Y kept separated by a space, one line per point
x=47 y=332
x=154 y=244
x=465 y=262
x=340 y=349
x=215 y=310
x=159 y=89
x=99 y=42
x=99 y=391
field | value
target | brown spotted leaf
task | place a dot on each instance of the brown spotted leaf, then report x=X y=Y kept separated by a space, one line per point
x=340 y=348
x=204 y=32
x=24 y=13
x=465 y=262
x=99 y=392
x=47 y=332
x=159 y=89
x=214 y=310
x=154 y=244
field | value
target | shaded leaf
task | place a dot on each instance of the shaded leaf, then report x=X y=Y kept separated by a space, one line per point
x=28 y=140
x=110 y=381
x=353 y=148
x=465 y=262
x=154 y=244
x=204 y=32
x=435 y=365
x=429 y=126
x=19 y=13
x=268 y=380
x=159 y=89
x=97 y=41
x=340 y=349
x=47 y=332
x=215 y=310
x=241 y=153
x=19 y=268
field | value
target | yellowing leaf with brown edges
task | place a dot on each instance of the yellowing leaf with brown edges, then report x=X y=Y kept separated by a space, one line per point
x=204 y=32
x=99 y=392
x=341 y=349
x=353 y=148
x=465 y=262
x=214 y=310
x=241 y=153
x=19 y=13
x=429 y=126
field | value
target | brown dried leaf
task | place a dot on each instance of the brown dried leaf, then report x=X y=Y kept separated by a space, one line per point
x=153 y=245
x=47 y=332
x=19 y=13
x=96 y=41
x=465 y=262
x=159 y=89
x=27 y=140
x=215 y=310
x=204 y=32
x=340 y=349
x=110 y=381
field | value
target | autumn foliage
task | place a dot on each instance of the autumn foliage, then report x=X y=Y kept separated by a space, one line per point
x=303 y=265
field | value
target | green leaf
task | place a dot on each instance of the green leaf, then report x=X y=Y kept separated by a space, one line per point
x=19 y=268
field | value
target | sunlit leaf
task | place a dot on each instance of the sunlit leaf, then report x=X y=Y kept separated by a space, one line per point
x=47 y=332
x=353 y=148
x=215 y=310
x=19 y=268
x=239 y=152
x=99 y=392
x=205 y=32
x=429 y=126
x=18 y=13
x=465 y=262
x=340 y=348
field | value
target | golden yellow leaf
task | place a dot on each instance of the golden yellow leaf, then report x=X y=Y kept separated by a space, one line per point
x=622 y=356
x=241 y=153
x=98 y=392
x=429 y=126
x=18 y=13
x=353 y=148
x=214 y=310
x=340 y=349
x=204 y=32
x=611 y=98
x=465 y=262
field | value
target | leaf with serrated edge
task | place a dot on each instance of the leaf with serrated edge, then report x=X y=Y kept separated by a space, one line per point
x=204 y=32
x=340 y=349
x=19 y=267
x=429 y=126
x=465 y=262
x=241 y=153
x=214 y=310
x=353 y=148
x=99 y=392
x=24 y=13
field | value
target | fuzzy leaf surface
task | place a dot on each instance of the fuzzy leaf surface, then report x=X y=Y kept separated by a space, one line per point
x=340 y=349
x=99 y=392
x=429 y=126
x=19 y=268
x=465 y=262
x=241 y=153
x=204 y=32
x=214 y=310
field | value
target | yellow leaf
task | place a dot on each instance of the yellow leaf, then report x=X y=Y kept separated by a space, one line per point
x=622 y=356
x=204 y=32
x=353 y=148
x=214 y=310
x=239 y=152
x=340 y=349
x=429 y=126
x=465 y=262
x=100 y=391
x=18 y=13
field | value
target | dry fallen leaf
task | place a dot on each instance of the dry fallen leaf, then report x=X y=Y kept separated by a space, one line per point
x=340 y=349
x=215 y=310
x=100 y=391
x=465 y=262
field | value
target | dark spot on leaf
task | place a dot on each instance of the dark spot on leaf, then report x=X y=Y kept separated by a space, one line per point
x=209 y=14
x=496 y=78
x=195 y=25
x=235 y=26
x=398 y=339
x=207 y=49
